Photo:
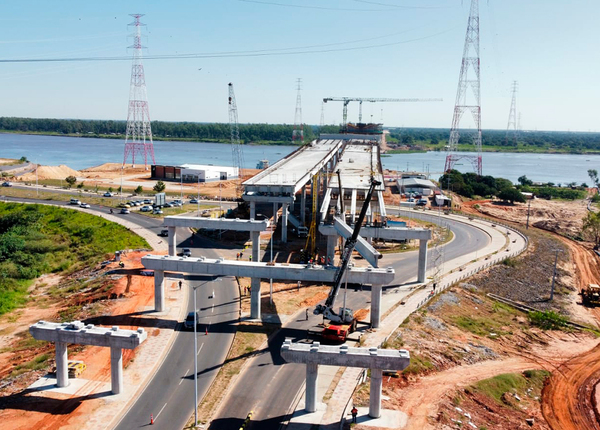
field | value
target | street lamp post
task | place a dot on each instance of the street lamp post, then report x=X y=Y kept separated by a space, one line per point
x=196 y=352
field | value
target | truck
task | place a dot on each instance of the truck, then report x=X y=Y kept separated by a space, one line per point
x=343 y=322
x=590 y=295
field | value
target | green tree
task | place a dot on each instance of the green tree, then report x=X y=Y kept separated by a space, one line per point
x=512 y=195
x=110 y=189
x=23 y=159
x=524 y=181
x=159 y=187
x=139 y=190
x=591 y=226
x=593 y=174
x=80 y=185
x=71 y=180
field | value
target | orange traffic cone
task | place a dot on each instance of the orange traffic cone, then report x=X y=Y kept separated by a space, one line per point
x=151 y=419
x=206 y=331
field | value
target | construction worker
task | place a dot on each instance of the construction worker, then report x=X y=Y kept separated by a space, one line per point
x=306 y=314
x=180 y=283
x=354 y=412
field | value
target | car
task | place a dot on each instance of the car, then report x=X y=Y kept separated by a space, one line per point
x=108 y=194
x=168 y=205
x=147 y=272
x=123 y=205
x=84 y=205
x=137 y=203
x=164 y=232
x=422 y=202
x=75 y=202
x=146 y=208
x=6 y=184
x=194 y=201
x=147 y=201
x=188 y=324
x=157 y=211
x=411 y=200
x=187 y=252
x=175 y=204
x=125 y=211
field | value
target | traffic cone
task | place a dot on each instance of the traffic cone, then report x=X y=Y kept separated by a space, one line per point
x=206 y=331
x=151 y=419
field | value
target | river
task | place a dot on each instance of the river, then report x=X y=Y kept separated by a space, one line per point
x=79 y=153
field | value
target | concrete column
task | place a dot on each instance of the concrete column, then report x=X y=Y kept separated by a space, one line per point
x=375 y=306
x=284 y=221
x=255 y=282
x=62 y=359
x=275 y=217
x=116 y=369
x=159 y=290
x=252 y=210
x=375 y=397
x=303 y=206
x=422 y=268
x=312 y=373
x=331 y=242
x=172 y=241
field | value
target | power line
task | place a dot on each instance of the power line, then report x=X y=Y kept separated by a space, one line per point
x=265 y=53
x=298 y=6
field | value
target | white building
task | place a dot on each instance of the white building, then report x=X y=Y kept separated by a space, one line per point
x=207 y=172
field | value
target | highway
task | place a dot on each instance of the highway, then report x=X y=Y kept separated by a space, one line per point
x=269 y=388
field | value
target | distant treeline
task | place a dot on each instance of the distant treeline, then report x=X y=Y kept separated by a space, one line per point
x=418 y=138
x=267 y=133
x=543 y=141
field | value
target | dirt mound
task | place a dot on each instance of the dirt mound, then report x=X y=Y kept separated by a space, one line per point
x=50 y=172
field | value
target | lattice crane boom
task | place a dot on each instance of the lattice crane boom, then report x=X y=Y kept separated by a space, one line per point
x=347 y=100
x=236 y=146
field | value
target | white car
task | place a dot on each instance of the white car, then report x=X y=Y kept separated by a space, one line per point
x=146 y=208
x=157 y=212
x=108 y=194
x=84 y=205
x=187 y=252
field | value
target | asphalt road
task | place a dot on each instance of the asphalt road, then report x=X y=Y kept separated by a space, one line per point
x=170 y=394
x=269 y=386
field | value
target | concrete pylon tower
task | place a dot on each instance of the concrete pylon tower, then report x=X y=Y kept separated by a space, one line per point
x=468 y=100
x=511 y=128
x=138 y=138
x=298 y=133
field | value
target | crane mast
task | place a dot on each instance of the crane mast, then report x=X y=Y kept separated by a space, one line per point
x=236 y=147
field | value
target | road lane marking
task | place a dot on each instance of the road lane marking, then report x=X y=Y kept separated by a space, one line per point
x=200 y=349
x=160 y=411
x=185 y=374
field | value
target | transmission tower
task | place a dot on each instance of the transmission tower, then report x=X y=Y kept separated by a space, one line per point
x=138 y=137
x=236 y=146
x=298 y=133
x=511 y=129
x=470 y=61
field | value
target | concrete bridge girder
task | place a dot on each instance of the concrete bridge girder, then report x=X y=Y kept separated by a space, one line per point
x=316 y=354
x=79 y=333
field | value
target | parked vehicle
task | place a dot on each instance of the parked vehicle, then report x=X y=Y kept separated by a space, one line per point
x=84 y=205
x=125 y=211
x=157 y=211
x=164 y=232
x=123 y=205
x=188 y=324
x=302 y=231
x=146 y=208
x=168 y=205
x=422 y=202
x=590 y=295
x=147 y=201
x=75 y=202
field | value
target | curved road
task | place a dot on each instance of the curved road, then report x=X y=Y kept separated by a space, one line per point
x=269 y=388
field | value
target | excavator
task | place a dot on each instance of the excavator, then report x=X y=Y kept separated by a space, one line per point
x=342 y=323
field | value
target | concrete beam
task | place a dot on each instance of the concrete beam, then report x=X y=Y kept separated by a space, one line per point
x=343 y=355
x=362 y=246
x=255 y=269
x=216 y=223
x=78 y=332
x=387 y=233
x=265 y=198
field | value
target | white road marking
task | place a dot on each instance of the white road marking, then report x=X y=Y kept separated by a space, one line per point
x=160 y=411
x=186 y=373
x=200 y=349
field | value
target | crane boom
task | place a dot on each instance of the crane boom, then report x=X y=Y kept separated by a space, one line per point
x=346 y=254
x=347 y=100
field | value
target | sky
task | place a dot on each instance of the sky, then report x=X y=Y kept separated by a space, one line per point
x=340 y=48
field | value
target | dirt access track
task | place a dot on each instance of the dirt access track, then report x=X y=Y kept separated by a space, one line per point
x=570 y=397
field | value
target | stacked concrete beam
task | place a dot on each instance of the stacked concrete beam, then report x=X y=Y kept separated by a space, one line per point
x=373 y=358
x=79 y=333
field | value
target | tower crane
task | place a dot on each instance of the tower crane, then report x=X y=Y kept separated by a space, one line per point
x=347 y=100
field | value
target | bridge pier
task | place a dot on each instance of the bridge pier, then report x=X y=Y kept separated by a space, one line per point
x=422 y=268
x=303 y=206
x=172 y=240
x=376 y=305
x=312 y=376
x=159 y=290
x=375 y=393
x=116 y=369
x=284 y=221
x=255 y=282
x=62 y=368
x=253 y=210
